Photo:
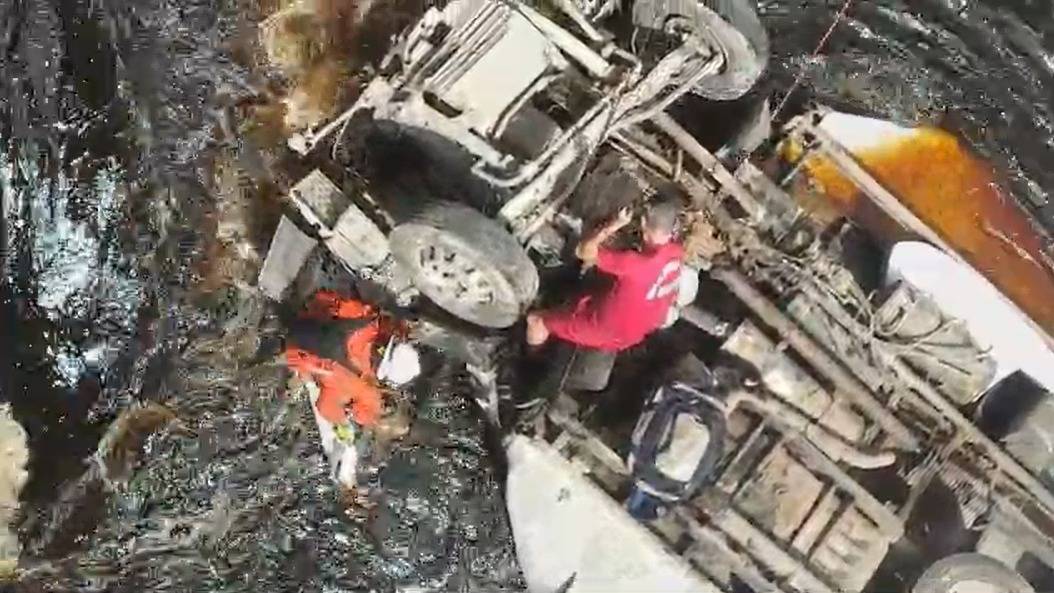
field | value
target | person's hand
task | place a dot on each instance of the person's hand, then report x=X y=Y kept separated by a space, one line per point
x=624 y=217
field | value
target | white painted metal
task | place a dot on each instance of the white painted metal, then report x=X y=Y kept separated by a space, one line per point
x=993 y=321
x=571 y=536
x=485 y=92
x=289 y=250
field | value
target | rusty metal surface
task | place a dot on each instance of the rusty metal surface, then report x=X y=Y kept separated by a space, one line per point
x=957 y=203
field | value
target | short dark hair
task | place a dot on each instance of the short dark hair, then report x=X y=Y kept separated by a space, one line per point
x=662 y=216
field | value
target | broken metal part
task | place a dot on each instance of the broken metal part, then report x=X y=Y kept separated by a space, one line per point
x=790 y=421
x=815 y=355
x=290 y=248
x=972 y=434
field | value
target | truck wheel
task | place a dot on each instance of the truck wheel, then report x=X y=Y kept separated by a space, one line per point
x=970 y=573
x=466 y=263
x=732 y=25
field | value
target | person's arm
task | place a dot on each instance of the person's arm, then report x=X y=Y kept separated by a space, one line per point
x=589 y=249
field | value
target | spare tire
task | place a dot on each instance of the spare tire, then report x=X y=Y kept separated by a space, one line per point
x=733 y=25
x=466 y=263
x=970 y=573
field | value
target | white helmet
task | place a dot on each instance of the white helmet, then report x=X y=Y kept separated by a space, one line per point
x=399 y=365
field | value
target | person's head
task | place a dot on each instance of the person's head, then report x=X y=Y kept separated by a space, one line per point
x=659 y=222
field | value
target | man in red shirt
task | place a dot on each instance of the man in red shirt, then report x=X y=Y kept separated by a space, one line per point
x=646 y=283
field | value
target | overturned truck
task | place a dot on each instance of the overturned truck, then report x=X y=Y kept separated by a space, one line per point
x=881 y=444
x=494 y=131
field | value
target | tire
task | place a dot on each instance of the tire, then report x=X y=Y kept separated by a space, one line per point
x=970 y=573
x=733 y=25
x=1019 y=412
x=466 y=263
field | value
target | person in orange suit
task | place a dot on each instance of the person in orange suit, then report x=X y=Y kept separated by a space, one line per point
x=332 y=343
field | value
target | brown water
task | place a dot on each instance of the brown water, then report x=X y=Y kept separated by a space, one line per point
x=957 y=195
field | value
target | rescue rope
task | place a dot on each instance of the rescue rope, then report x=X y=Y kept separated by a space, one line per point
x=816 y=52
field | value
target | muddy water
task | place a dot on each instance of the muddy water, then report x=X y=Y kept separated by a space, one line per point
x=982 y=70
x=954 y=193
x=113 y=117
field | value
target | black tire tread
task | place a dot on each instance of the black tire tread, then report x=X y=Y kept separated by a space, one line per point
x=746 y=63
x=973 y=567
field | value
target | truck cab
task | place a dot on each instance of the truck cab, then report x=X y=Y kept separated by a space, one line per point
x=504 y=107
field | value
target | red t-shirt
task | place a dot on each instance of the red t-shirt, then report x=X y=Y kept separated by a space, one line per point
x=646 y=284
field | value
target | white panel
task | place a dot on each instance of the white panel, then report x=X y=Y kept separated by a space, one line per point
x=567 y=530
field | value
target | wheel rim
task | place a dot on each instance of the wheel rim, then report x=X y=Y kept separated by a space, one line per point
x=975 y=586
x=456 y=276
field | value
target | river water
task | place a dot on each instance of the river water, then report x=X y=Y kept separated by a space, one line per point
x=126 y=164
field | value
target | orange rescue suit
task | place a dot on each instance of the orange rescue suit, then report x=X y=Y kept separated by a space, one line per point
x=343 y=383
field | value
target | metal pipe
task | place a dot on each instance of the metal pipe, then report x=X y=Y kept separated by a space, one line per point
x=710 y=164
x=886 y=520
x=704 y=320
x=570 y=9
x=971 y=433
x=568 y=43
x=701 y=194
x=816 y=356
x=788 y=419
